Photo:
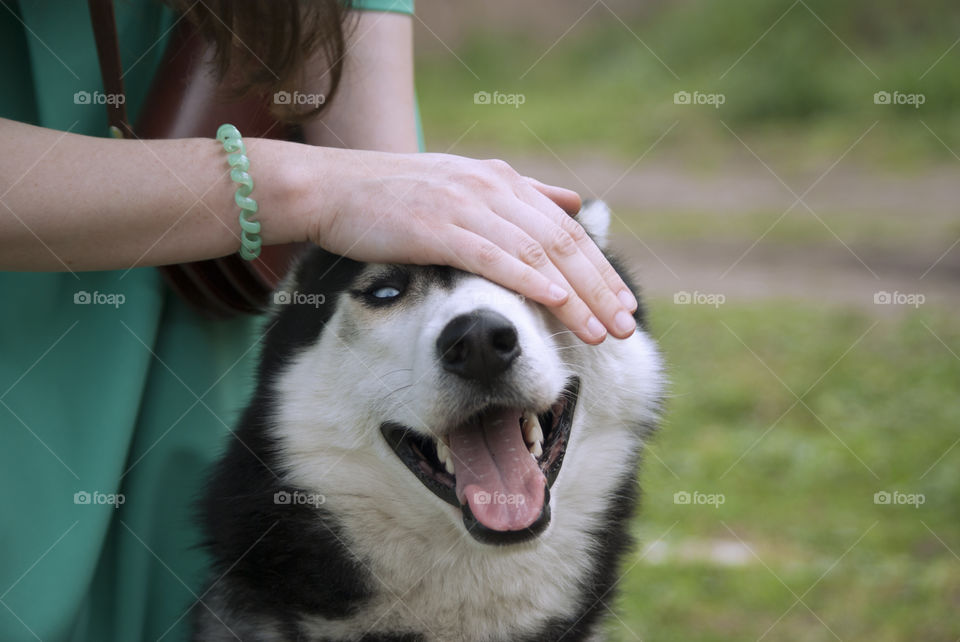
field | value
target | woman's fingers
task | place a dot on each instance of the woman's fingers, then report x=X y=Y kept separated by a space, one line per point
x=562 y=245
x=607 y=272
x=587 y=246
x=563 y=242
x=559 y=247
x=485 y=257
x=538 y=209
x=568 y=200
x=509 y=256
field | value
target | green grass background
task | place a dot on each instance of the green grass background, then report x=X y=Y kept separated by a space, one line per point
x=803 y=494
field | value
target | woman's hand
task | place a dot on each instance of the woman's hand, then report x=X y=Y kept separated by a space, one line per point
x=476 y=215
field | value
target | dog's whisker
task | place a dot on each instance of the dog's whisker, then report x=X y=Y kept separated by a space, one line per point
x=557 y=334
x=573 y=347
x=393 y=372
x=396 y=390
x=618 y=387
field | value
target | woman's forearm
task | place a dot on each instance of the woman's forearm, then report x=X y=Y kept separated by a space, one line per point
x=71 y=202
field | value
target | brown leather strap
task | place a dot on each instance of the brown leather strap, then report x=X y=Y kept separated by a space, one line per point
x=111 y=70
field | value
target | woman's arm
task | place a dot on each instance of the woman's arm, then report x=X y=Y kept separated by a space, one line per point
x=374 y=105
x=71 y=202
x=118 y=204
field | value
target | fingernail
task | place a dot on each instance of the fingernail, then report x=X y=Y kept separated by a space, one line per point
x=628 y=300
x=556 y=292
x=595 y=328
x=624 y=323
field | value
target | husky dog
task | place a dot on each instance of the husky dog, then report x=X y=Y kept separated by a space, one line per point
x=427 y=457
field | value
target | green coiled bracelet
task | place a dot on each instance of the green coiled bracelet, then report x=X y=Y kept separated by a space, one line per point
x=250 y=241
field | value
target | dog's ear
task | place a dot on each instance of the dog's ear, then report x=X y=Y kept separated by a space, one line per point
x=594 y=216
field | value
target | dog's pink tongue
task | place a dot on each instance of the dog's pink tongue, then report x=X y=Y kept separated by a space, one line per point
x=496 y=475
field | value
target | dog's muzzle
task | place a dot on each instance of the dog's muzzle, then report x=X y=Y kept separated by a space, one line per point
x=499 y=464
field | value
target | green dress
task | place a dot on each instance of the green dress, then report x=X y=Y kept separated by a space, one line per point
x=114 y=396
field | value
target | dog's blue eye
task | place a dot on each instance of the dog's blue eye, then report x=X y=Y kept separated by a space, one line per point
x=385 y=289
x=386 y=292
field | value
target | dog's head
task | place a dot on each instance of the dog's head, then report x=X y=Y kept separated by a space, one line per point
x=437 y=392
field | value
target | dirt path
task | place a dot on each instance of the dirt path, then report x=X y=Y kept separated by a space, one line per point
x=821 y=273
x=925 y=260
x=665 y=186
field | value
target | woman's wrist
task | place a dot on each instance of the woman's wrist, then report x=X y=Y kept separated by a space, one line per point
x=285 y=184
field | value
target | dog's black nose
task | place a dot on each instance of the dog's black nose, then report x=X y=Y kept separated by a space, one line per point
x=478 y=346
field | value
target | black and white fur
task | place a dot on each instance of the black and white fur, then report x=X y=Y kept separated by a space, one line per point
x=379 y=557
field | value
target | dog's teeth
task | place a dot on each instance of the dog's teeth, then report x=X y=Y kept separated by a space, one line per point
x=444 y=455
x=536 y=449
x=532 y=433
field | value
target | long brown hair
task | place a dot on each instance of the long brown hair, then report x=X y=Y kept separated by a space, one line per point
x=264 y=46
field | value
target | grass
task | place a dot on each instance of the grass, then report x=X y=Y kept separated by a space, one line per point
x=799 y=478
x=800 y=89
